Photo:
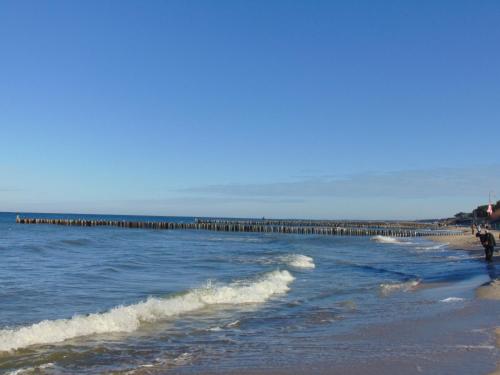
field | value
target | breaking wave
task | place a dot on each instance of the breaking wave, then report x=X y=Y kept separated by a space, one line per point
x=299 y=261
x=406 y=286
x=432 y=247
x=385 y=239
x=452 y=299
x=390 y=240
x=31 y=370
x=292 y=260
x=129 y=318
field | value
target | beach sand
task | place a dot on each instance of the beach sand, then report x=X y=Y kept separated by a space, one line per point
x=467 y=242
x=497 y=371
x=453 y=342
x=457 y=341
x=450 y=343
x=490 y=291
x=471 y=244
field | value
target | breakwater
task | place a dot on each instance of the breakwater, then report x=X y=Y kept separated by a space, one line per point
x=327 y=223
x=332 y=228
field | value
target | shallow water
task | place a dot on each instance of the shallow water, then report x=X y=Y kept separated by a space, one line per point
x=94 y=300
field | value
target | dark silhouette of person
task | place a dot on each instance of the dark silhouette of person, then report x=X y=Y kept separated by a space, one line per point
x=488 y=241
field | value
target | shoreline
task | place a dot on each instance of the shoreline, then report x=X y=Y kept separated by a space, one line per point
x=488 y=291
x=447 y=343
x=440 y=327
x=467 y=242
x=470 y=243
x=460 y=338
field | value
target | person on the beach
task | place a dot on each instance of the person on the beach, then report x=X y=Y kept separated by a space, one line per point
x=488 y=241
x=491 y=240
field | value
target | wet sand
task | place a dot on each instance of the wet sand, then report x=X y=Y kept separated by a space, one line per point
x=497 y=371
x=471 y=244
x=463 y=341
x=458 y=342
x=466 y=242
x=489 y=291
x=450 y=343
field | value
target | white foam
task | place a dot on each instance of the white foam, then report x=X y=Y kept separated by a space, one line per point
x=236 y=323
x=292 y=260
x=298 y=261
x=452 y=299
x=399 y=287
x=432 y=247
x=385 y=239
x=459 y=257
x=391 y=240
x=480 y=347
x=129 y=318
x=30 y=370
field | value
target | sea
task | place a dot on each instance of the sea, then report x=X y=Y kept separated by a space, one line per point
x=106 y=300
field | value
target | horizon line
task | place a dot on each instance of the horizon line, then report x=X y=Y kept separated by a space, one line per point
x=217 y=217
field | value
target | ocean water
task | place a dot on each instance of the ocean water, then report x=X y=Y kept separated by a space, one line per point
x=115 y=300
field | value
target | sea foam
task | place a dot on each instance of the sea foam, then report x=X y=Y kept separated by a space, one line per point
x=129 y=318
x=452 y=299
x=432 y=247
x=385 y=239
x=31 y=370
x=299 y=261
x=292 y=260
x=390 y=240
x=406 y=286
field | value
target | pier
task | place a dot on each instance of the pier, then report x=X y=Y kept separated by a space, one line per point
x=316 y=227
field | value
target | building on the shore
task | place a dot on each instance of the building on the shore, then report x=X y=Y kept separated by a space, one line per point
x=480 y=215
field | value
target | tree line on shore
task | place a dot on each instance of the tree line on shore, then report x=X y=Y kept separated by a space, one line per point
x=479 y=214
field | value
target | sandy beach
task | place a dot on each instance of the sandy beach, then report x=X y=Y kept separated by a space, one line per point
x=470 y=243
x=471 y=328
x=466 y=242
x=489 y=291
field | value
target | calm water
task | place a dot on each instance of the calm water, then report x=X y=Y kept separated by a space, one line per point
x=98 y=300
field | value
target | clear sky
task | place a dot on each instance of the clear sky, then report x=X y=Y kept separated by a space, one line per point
x=327 y=109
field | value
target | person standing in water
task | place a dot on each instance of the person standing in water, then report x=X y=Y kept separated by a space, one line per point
x=488 y=241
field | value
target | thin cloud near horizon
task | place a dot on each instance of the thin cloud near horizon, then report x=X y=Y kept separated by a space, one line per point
x=437 y=182
x=410 y=194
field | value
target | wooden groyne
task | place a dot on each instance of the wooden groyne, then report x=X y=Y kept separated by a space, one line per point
x=250 y=227
x=328 y=223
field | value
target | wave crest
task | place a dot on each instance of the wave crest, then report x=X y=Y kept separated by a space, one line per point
x=391 y=240
x=385 y=239
x=299 y=261
x=452 y=299
x=129 y=318
x=432 y=247
x=406 y=286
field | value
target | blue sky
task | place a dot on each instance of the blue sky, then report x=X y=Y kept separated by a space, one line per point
x=328 y=109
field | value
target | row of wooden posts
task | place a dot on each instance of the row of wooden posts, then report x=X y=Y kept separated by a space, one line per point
x=229 y=226
x=326 y=223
